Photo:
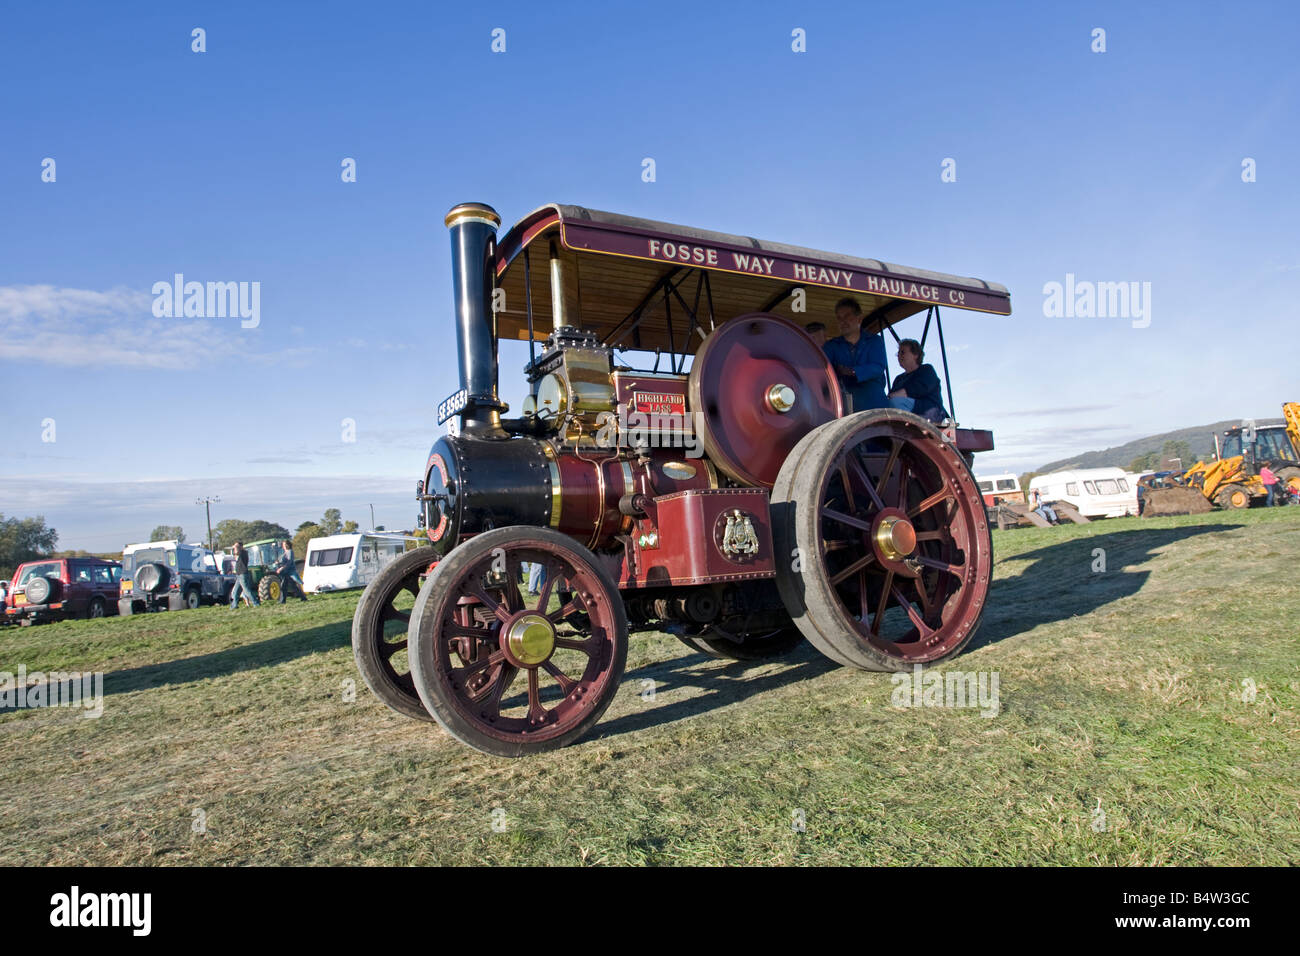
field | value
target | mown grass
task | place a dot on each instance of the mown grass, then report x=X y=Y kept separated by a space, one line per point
x=1123 y=686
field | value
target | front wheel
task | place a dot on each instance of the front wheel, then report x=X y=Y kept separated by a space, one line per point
x=474 y=635
x=1232 y=497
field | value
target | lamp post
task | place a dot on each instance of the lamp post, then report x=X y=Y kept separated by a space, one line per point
x=372 y=517
x=207 y=503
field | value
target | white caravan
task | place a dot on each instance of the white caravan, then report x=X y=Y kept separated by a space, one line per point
x=342 y=561
x=1094 y=492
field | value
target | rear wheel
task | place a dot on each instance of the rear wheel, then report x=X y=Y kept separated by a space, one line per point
x=1290 y=478
x=380 y=639
x=96 y=608
x=883 y=544
x=193 y=599
x=474 y=635
x=268 y=589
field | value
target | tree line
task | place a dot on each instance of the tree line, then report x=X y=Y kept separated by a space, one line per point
x=24 y=539
x=225 y=533
x=30 y=539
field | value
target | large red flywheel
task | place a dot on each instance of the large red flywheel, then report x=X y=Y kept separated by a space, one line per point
x=759 y=384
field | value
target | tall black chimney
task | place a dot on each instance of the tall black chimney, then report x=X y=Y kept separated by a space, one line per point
x=473 y=227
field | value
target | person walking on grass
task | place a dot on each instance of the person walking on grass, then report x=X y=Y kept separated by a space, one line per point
x=288 y=572
x=243 y=580
x=536 y=577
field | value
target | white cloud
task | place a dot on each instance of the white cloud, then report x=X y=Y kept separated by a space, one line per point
x=82 y=327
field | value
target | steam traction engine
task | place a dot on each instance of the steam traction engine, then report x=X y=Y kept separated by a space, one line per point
x=738 y=504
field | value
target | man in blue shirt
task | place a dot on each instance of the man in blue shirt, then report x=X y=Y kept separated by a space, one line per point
x=858 y=359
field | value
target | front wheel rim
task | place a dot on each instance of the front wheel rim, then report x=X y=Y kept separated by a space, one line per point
x=468 y=639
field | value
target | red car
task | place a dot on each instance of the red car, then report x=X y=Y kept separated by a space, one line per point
x=56 y=588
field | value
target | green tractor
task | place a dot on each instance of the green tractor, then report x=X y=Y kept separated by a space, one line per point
x=262 y=556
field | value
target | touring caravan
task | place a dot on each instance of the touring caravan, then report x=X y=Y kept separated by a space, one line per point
x=1094 y=492
x=998 y=488
x=341 y=561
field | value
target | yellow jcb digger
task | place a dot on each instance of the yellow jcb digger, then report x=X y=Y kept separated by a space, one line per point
x=1231 y=480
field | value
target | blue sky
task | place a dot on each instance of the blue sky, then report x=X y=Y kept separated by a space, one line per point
x=224 y=165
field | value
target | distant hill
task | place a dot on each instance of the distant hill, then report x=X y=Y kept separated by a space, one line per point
x=1200 y=438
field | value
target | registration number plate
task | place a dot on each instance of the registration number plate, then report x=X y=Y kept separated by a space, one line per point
x=452 y=404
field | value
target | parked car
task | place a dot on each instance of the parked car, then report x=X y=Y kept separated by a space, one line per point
x=170 y=575
x=338 y=562
x=56 y=588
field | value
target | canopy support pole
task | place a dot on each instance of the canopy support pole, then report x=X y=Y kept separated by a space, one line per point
x=943 y=352
x=528 y=304
x=780 y=297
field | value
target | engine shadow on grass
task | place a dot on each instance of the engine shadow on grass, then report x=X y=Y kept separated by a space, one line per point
x=1058 y=584
x=233 y=660
x=720 y=685
x=1060 y=581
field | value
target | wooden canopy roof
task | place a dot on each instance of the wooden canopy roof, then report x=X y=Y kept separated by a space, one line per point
x=616 y=269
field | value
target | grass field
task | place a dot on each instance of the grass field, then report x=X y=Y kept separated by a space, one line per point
x=1128 y=689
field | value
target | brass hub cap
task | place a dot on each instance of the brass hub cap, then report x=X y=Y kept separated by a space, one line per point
x=781 y=397
x=529 y=639
x=895 y=538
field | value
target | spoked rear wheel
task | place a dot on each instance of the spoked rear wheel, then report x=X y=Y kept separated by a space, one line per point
x=379 y=632
x=508 y=673
x=892 y=556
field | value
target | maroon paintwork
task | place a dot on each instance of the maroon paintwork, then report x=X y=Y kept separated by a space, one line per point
x=689 y=544
x=600 y=232
x=743 y=433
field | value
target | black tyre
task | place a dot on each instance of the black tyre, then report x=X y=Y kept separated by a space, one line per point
x=193 y=599
x=1232 y=497
x=43 y=590
x=152 y=578
x=268 y=589
x=96 y=608
x=1288 y=478
x=379 y=632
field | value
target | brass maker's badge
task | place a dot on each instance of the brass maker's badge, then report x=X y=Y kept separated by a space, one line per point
x=734 y=532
